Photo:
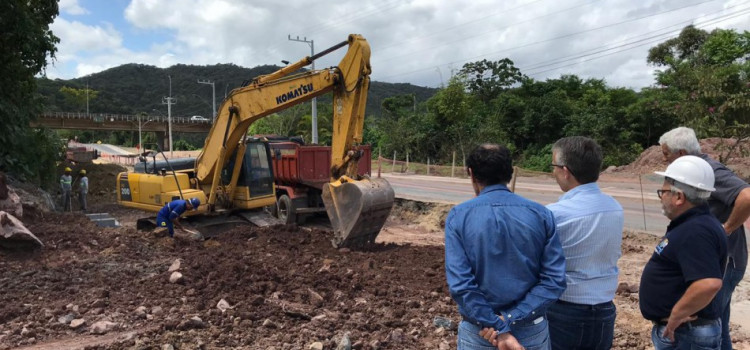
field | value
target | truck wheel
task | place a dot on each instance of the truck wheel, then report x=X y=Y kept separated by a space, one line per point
x=285 y=210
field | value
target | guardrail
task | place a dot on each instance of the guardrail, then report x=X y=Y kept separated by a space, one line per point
x=102 y=117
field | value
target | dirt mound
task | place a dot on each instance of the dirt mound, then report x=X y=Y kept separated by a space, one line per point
x=652 y=160
x=431 y=216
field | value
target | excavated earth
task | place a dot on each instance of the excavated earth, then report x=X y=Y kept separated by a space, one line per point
x=283 y=287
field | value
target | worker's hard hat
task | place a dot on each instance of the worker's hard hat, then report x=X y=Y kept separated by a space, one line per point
x=82 y=172
x=195 y=202
x=692 y=171
x=68 y=169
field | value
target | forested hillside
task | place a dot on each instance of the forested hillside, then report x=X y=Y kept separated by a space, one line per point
x=135 y=88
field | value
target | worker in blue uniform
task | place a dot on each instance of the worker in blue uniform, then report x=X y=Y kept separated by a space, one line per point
x=171 y=212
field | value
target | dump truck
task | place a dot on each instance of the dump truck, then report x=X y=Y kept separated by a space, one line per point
x=300 y=173
x=80 y=154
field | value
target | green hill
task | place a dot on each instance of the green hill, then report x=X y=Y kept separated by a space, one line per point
x=134 y=88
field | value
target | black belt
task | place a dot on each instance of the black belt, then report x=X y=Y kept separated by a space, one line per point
x=694 y=323
x=586 y=306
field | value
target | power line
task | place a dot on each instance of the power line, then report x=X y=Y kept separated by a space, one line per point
x=458 y=25
x=625 y=42
x=549 y=40
x=639 y=45
x=491 y=31
x=384 y=7
x=321 y=27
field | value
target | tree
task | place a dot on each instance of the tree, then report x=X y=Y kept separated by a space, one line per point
x=283 y=123
x=710 y=74
x=27 y=41
x=486 y=79
x=79 y=97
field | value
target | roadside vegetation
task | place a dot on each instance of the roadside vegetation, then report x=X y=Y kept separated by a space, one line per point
x=702 y=81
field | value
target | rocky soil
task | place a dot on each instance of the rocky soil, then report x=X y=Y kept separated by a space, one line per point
x=281 y=287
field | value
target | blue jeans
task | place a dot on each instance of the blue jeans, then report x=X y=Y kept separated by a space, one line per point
x=688 y=337
x=579 y=327
x=732 y=277
x=533 y=336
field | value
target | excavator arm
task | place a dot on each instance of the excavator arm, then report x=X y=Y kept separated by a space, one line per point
x=357 y=207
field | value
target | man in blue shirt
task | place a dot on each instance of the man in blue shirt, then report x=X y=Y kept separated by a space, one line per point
x=171 y=212
x=589 y=225
x=503 y=261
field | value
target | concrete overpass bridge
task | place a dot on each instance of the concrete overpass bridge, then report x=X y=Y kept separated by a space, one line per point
x=105 y=121
x=123 y=122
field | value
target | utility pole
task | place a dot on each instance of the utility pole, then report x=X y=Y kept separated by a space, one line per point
x=213 y=90
x=169 y=102
x=315 y=99
x=87 y=98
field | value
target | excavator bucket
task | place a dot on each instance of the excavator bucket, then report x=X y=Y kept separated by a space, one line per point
x=357 y=209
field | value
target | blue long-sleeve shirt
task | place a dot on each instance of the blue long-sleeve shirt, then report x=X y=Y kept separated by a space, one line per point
x=172 y=210
x=502 y=257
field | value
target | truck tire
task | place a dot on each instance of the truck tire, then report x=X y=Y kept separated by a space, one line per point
x=285 y=210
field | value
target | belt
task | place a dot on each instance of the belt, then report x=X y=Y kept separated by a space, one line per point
x=586 y=306
x=532 y=319
x=694 y=323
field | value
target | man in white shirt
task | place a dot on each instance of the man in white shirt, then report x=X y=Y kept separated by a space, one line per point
x=589 y=225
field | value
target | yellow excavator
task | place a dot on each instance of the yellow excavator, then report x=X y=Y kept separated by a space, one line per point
x=233 y=173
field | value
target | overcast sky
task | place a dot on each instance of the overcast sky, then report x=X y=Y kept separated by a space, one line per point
x=413 y=41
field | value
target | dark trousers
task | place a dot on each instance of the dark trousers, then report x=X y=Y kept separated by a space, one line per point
x=165 y=222
x=582 y=327
x=732 y=277
x=66 y=200
x=82 y=200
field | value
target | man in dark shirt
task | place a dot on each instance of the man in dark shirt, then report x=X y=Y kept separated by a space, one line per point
x=504 y=263
x=680 y=281
x=730 y=203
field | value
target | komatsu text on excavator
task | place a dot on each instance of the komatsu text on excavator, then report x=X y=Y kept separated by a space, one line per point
x=233 y=172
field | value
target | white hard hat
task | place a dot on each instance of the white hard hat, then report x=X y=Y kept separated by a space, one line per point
x=692 y=171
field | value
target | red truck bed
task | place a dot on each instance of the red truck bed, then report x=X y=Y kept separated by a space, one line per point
x=295 y=165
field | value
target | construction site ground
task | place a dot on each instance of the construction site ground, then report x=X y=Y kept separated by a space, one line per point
x=279 y=287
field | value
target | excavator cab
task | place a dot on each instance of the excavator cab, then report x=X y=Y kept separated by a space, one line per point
x=256 y=172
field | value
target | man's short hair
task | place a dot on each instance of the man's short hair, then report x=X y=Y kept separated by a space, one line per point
x=581 y=155
x=681 y=138
x=692 y=194
x=490 y=164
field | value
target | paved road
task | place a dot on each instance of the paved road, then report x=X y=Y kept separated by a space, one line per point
x=543 y=190
x=107 y=149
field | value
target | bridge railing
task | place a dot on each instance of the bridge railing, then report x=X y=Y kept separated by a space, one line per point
x=103 y=117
